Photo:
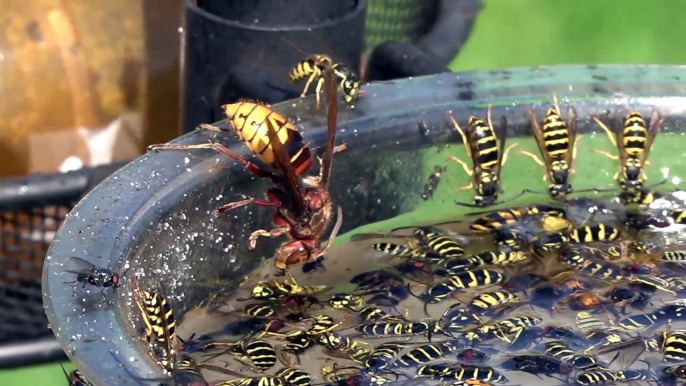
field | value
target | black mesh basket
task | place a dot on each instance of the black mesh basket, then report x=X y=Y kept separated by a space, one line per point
x=405 y=38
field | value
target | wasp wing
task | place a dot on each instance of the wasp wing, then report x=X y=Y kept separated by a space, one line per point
x=571 y=132
x=331 y=94
x=655 y=125
x=501 y=138
x=620 y=356
x=290 y=179
x=535 y=126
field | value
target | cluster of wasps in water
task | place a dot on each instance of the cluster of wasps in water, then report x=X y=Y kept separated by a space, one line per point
x=497 y=304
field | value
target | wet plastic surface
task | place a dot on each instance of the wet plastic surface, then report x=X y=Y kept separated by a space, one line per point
x=154 y=215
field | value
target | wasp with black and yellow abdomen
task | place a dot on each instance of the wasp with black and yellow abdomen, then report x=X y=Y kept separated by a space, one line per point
x=160 y=325
x=488 y=154
x=406 y=251
x=507 y=217
x=427 y=328
x=424 y=354
x=634 y=140
x=303 y=209
x=557 y=142
x=445 y=246
x=462 y=280
x=312 y=68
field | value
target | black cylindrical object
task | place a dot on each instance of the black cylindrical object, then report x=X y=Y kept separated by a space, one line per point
x=223 y=39
x=397 y=59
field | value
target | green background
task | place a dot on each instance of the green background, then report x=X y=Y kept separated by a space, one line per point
x=514 y=33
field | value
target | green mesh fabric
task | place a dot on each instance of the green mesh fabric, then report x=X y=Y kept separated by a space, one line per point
x=396 y=20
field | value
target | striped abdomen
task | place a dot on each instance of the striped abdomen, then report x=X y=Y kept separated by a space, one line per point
x=555 y=135
x=251 y=121
x=483 y=137
x=635 y=134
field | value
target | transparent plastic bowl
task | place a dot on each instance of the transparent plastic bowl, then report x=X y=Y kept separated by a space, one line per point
x=153 y=217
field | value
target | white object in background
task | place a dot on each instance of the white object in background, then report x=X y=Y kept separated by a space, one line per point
x=70 y=164
x=100 y=142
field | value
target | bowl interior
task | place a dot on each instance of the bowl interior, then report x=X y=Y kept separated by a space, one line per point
x=163 y=232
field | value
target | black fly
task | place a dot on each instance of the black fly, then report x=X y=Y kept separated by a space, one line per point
x=89 y=273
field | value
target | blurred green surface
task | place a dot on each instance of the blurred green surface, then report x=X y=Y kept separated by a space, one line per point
x=529 y=33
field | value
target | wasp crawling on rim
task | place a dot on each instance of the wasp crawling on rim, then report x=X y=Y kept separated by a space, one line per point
x=488 y=155
x=303 y=206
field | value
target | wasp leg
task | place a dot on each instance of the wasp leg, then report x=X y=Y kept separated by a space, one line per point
x=237 y=204
x=276 y=232
x=607 y=130
x=536 y=159
x=318 y=91
x=504 y=160
x=219 y=148
x=466 y=167
x=466 y=187
x=309 y=82
x=606 y=154
x=574 y=151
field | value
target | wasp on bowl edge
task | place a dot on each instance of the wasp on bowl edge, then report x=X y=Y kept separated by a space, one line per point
x=488 y=154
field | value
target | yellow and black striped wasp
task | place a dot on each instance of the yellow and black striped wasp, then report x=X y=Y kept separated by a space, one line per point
x=488 y=155
x=312 y=68
x=556 y=140
x=634 y=140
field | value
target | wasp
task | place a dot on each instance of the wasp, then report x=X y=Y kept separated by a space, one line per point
x=501 y=329
x=295 y=377
x=536 y=364
x=454 y=266
x=672 y=344
x=343 y=300
x=160 y=325
x=267 y=380
x=508 y=217
x=407 y=251
x=381 y=358
x=461 y=372
x=426 y=328
x=488 y=155
x=278 y=289
x=376 y=278
x=576 y=259
x=75 y=378
x=424 y=354
x=463 y=280
x=89 y=273
x=371 y=314
x=432 y=182
x=634 y=141
x=561 y=351
x=582 y=235
x=643 y=196
x=344 y=347
x=302 y=216
x=434 y=240
x=347 y=376
x=259 y=352
x=557 y=142
x=313 y=68
x=487 y=301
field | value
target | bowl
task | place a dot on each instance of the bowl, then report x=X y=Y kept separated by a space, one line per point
x=153 y=218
